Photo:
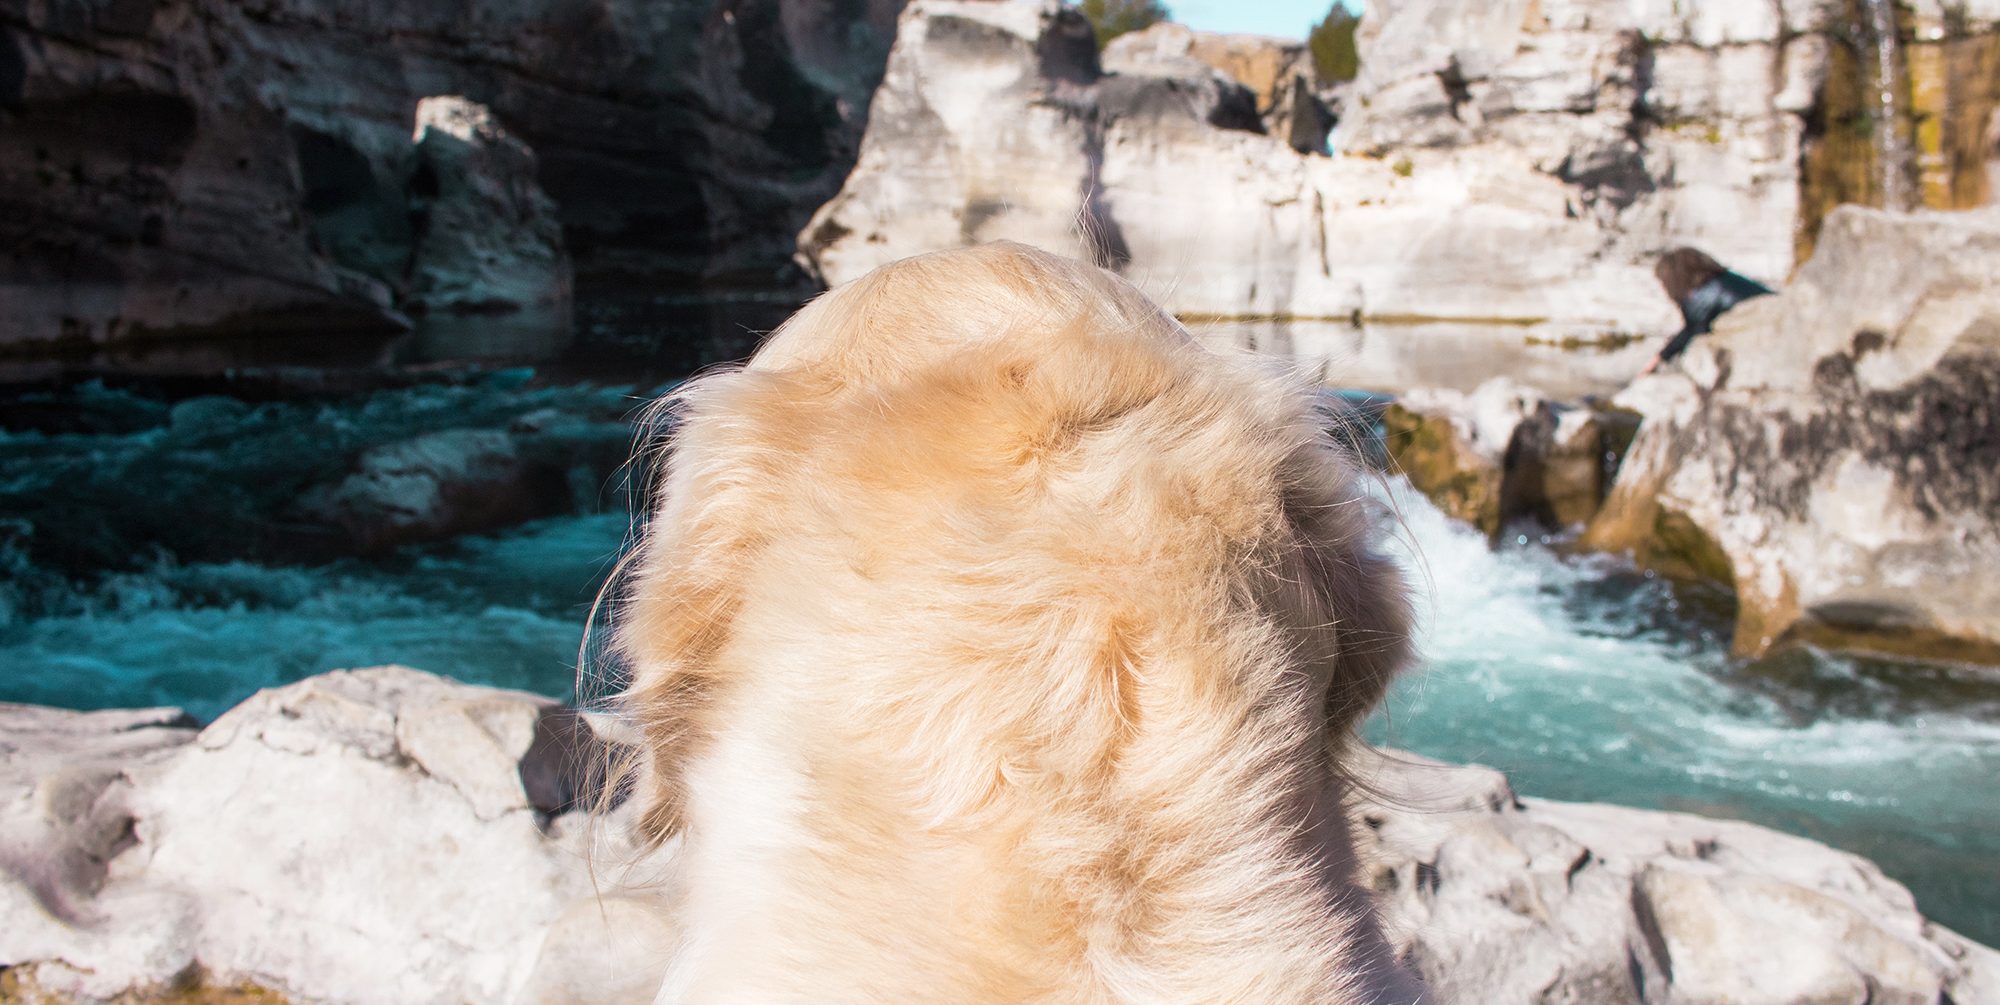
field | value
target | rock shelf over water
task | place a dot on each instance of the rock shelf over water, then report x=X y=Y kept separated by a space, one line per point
x=388 y=836
x=1831 y=454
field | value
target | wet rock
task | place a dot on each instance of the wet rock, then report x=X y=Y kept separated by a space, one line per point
x=487 y=238
x=1831 y=451
x=1503 y=453
x=1501 y=898
x=359 y=836
x=435 y=486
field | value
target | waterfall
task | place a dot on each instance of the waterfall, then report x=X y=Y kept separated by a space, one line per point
x=1892 y=153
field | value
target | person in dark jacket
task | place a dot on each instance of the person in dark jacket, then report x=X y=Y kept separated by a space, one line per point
x=1703 y=290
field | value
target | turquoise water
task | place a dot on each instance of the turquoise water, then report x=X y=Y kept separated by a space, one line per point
x=141 y=566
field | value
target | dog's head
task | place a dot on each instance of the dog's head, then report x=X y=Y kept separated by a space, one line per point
x=1003 y=448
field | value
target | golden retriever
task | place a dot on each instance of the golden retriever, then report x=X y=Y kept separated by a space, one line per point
x=993 y=641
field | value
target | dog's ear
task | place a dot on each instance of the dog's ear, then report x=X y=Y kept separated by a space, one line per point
x=721 y=488
x=1371 y=619
x=1355 y=599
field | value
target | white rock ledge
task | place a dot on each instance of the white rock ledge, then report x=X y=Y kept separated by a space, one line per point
x=387 y=836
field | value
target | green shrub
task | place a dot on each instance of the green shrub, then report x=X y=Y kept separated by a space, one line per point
x=1113 y=18
x=1332 y=45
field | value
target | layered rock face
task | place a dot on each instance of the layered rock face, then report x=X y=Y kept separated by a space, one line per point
x=1834 y=451
x=1521 y=163
x=388 y=836
x=177 y=168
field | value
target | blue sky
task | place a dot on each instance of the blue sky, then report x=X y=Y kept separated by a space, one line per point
x=1284 y=18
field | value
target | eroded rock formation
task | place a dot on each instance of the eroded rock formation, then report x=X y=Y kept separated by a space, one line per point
x=389 y=836
x=1522 y=163
x=171 y=169
x=1834 y=451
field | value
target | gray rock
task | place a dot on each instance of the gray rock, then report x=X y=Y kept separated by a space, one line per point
x=1831 y=451
x=435 y=486
x=389 y=836
x=361 y=836
x=489 y=240
x=1500 y=898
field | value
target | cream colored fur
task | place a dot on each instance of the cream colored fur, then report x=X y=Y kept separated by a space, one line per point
x=995 y=642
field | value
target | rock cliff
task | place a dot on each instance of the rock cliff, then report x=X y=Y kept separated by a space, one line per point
x=388 y=836
x=1521 y=165
x=172 y=169
x=1834 y=451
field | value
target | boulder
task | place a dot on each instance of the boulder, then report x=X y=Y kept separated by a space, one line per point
x=1505 y=452
x=389 y=836
x=359 y=836
x=435 y=486
x=441 y=484
x=1495 y=897
x=487 y=238
x=1833 y=452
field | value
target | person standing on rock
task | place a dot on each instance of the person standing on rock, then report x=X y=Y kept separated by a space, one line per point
x=1703 y=290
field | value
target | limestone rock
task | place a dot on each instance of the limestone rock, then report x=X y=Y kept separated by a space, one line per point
x=359 y=836
x=488 y=239
x=435 y=486
x=1524 y=163
x=1832 y=451
x=1500 y=898
x=68 y=778
x=1278 y=72
x=388 y=836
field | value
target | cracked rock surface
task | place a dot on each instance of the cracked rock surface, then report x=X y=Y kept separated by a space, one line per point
x=1833 y=452
x=387 y=836
x=360 y=836
x=1498 y=898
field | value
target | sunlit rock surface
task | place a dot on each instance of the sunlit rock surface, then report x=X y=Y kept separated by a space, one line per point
x=1834 y=451
x=207 y=168
x=1504 y=899
x=1524 y=162
x=388 y=836
x=379 y=835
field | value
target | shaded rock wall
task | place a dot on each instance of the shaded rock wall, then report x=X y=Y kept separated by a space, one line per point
x=182 y=167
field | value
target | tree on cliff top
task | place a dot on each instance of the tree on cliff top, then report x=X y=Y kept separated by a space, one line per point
x=1332 y=45
x=1113 y=18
